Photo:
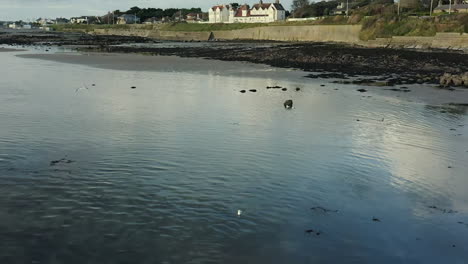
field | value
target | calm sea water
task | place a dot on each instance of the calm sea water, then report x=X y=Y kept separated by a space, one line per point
x=159 y=172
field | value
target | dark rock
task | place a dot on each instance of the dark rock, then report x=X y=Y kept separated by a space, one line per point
x=376 y=219
x=362 y=90
x=298 y=89
x=133 y=87
x=64 y=160
x=288 y=104
x=252 y=90
x=325 y=210
x=442 y=210
x=284 y=89
x=243 y=91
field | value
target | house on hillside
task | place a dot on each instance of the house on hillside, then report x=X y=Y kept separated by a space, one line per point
x=258 y=13
x=194 y=17
x=44 y=21
x=456 y=7
x=79 y=20
x=85 y=20
x=128 y=19
x=345 y=6
x=61 y=21
x=152 y=20
x=341 y=9
x=14 y=26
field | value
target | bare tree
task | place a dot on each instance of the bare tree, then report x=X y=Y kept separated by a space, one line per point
x=297 y=4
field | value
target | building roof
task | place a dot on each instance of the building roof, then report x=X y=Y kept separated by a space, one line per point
x=242 y=8
x=238 y=12
x=454 y=7
x=221 y=7
x=266 y=6
x=279 y=7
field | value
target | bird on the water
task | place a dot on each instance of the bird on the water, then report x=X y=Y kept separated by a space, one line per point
x=83 y=87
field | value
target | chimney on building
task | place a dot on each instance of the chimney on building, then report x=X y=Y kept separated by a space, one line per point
x=261 y=2
x=277 y=1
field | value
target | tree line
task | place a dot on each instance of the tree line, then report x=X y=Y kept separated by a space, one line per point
x=305 y=8
x=145 y=13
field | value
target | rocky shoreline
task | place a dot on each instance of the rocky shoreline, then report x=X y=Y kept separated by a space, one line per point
x=35 y=37
x=349 y=64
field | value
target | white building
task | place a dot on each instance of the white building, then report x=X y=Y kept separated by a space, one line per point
x=258 y=13
x=219 y=14
x=79 y=20
x=128 y=19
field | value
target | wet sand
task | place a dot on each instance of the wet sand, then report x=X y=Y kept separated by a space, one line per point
x=10 y=50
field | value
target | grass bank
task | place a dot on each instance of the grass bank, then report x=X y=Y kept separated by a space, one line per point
x=388 y=26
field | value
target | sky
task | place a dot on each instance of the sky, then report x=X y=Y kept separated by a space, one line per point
x=32 y=9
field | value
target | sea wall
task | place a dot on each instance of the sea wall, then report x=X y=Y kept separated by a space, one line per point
x=313 y=33
x=184 y=36
x=456 y=41
x=318 y=33
x=147 y=33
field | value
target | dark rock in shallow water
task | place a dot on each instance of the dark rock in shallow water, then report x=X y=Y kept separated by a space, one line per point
x=288 y=104
x=399 y=90
x=252 y=90
x=375 y=219
x=298 y=89
x=64 y=160
x=274 y=87
x=133 y=87
x=362 y=90
x=284 y=89
x=442 y=210
x=243 y=91
x=325 y=210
